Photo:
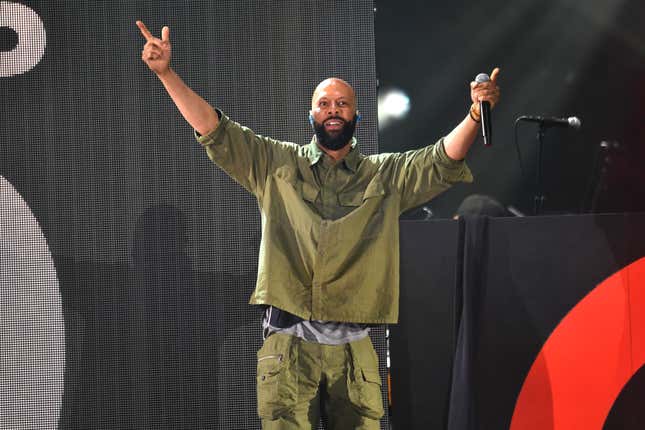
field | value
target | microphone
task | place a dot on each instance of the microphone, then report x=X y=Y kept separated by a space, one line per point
x=484 y=111
x=551 y=121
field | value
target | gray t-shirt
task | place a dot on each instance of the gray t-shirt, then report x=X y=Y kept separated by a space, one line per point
x=324 y=332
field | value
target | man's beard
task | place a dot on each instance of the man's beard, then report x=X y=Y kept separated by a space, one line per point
x=335 y=141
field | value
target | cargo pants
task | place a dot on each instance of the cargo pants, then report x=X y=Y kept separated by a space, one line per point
x=294 y=375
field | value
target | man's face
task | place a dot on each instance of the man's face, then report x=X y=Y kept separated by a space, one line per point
x=333 y=109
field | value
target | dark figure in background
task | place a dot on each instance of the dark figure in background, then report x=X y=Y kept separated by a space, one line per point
x=329 y=259
x=479 y=204
x=166 y=323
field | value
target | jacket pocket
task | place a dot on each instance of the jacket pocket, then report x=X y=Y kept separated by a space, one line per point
x=307 y=191
x=356 y=198
x=351 y=199
x=304 y=190
x=276 y=385
x=364 y=380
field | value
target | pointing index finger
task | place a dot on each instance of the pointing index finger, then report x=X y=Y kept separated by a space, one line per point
x=165 y=34
x=144 y=30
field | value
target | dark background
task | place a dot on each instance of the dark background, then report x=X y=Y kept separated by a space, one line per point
x=507 y=283
x=557 y=58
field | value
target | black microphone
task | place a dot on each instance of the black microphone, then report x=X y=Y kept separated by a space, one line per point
x=572 y=121
x=484 y=112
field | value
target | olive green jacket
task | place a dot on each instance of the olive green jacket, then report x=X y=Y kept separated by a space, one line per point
x=330 y=231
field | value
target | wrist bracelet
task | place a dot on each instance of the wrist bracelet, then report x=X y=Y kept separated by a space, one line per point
x=470 y=112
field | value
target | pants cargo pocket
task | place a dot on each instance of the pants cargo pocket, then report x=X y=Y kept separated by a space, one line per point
x=364 y=380
x=276 y=385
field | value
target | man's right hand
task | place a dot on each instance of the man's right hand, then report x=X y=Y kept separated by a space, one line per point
x=156 y=52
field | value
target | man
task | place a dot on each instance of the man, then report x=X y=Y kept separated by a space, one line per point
x=329 y=252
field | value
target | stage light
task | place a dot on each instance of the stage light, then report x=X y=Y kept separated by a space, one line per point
x=392 y=105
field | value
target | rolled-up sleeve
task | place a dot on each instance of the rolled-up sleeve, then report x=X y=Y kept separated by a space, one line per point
x=426 y=172
x=242 y=154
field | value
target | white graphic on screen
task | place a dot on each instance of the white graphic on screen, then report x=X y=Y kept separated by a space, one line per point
x=32 y=340
x=32 y=39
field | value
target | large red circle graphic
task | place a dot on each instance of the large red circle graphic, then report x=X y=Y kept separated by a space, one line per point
x=588 y=359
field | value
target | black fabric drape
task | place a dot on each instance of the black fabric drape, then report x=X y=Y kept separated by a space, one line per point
x=462 y=413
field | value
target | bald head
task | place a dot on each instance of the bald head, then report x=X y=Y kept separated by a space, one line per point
x=334 y=87
x=333 y=113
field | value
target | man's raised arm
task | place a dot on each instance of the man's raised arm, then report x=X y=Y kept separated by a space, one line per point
x=156 y=54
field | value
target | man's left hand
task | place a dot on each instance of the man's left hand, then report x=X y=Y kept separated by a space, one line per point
x=484 y=91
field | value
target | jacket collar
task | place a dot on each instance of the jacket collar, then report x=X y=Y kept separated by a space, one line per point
x=351 y=159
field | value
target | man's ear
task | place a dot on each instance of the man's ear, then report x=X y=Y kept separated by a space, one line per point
x=358 y=116
x=311 y=119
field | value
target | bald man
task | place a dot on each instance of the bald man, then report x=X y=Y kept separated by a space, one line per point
x=328 y=267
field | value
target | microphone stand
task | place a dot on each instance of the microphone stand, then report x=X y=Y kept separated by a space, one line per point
x=543 y=124
x=538 y=199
